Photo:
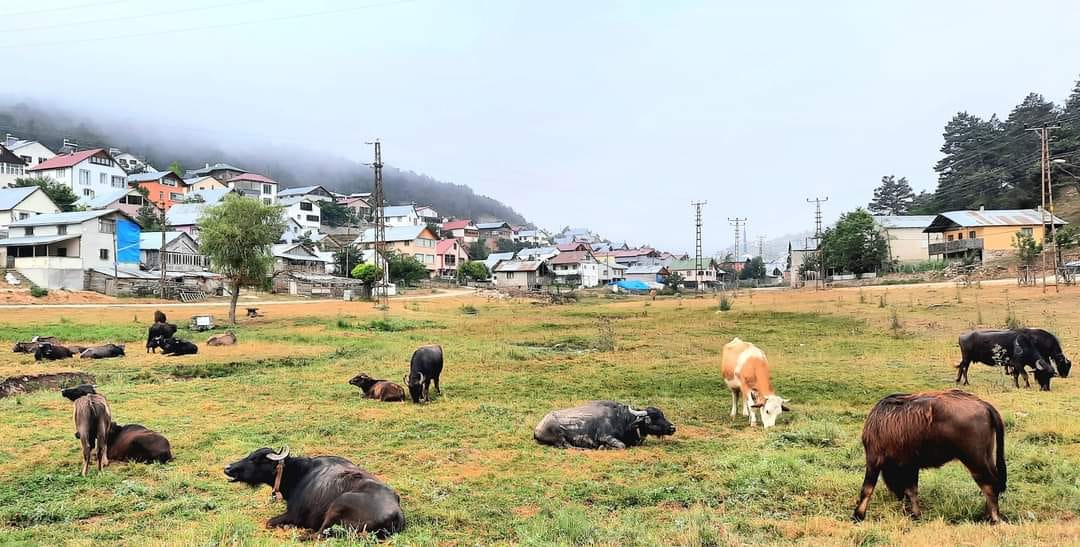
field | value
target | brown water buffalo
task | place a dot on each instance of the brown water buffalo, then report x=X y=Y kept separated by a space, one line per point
x=227 y=338
x=380 y=390
x=136 y=443
x=906 y=433
x=92 y=422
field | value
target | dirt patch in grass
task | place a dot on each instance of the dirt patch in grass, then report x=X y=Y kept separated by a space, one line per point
x=220 y=370
x=16 y=385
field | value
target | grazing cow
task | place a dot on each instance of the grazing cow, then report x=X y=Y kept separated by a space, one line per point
x=92 y=421
x=1015 y=350
x=103 y=351
x=52 y=352
x=746 y=373
x=136 y=443
x=158 y=331
x=159 y=317
x=176 y=346
x=906 y=433
x=601 y=424
x=381 y=390
x=425 y=367
x=228 y=338
x=321 y=492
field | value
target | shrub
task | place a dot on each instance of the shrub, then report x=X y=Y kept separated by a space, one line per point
x=38 y=292
x=469 y=309
x=725 y=302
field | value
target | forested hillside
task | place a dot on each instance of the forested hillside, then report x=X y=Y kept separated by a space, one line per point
x=290 y=165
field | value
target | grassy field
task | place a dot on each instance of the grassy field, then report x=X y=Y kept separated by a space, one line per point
x=466 y=466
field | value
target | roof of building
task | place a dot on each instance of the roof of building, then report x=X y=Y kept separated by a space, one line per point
x=185 y=214
x=494 y=258
x=12 y=197
x=456 y=224
x=393 y=233
x=576 y=246
x=152 y=176
x=573 y=257
x=446 y=245
x=528 y=233
x=9 y=157
x=691 y=264
x=398 y=211
x=35 y=240
x=903 y=221
x=73 y=217
x=210 y=196
x=535 y=252
x=253 y=177
x=151 y=241
x=15 y=144
x=492 y=225
x=645 y=269
x=1002 y=217
x=102 y=201
x=216 y=167
x=289 y=250
x=290 y=200
x=304 y=190
x=518 y=265
x=65 y=160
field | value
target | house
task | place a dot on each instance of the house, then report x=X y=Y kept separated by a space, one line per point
x=293 y=230
x=691 y=275
x=574 y=246
x=359 y=205
x=128 y=200
x=428 y=215
x=531 y=237
x=164 y=188
x=610 y=271
x=304 y=210
x=449 y=254
x=576 y=268
x=538 y=253
x=130 y=162
x=494 y=258
x=220 y=171
x=88 y=173
x=492 y=232
x=209 y=197
x=521 y=274
x=907 y=241
x=22 y=203
x=642 y=255
x=206 y=182
x=417 y=241
x=11 y=167
x=296 y=258
x=184 y=217
x=985 y=233
x=400 y=215
x=54 y=250
x=181 y=252
x=313 y=193
x=32 y=152
x=254 y=186
x=648 y=273
x=462 y=229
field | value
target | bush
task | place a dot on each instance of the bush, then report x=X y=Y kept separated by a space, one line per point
x=38 y=292
x=725 y=302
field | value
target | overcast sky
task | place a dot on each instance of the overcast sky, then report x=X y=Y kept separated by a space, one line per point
x=611 y=115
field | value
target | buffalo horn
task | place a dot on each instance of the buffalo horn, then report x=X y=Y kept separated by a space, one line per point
x=280 y=455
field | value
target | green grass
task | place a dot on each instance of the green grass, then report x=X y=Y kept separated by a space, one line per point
x=466 y=466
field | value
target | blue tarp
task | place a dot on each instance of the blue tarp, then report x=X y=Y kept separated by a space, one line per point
x=127 y=241
x=632 y=285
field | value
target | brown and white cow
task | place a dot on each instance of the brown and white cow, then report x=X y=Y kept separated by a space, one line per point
x=746 y=373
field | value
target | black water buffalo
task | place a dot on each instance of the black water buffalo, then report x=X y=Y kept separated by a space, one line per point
x=425 y=367
x=52 y=352
x=906 y=433
x=1014 y=349
x=32 y=345
x=73 y=393
x=136 y=443
x=601 y=424
x=176 y=346
x=104 y=351
x=380 y=390
x=158 y=331
x=321 y=492
x=92 y=421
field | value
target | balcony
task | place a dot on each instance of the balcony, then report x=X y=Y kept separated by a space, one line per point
x=959 y=246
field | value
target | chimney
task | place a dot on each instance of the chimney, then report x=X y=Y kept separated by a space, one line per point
x=207 y=166
x=982 y=208
x=114 y=151
x=9 y=139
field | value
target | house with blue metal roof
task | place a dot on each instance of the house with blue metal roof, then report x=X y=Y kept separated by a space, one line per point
x=20 y=203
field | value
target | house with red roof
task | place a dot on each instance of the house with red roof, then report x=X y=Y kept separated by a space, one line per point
x=449 y=254
x=87 y=172
x=579 y=268
x=463 y=229
x=256 y=186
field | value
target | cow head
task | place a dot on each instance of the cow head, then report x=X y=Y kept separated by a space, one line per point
x=363 y=381
x=119 y=349
x=1064 y=365
x=771 y=407
x=259 y=467
x=416 y=385
x=1025 y=351
x=24 y=347
x=651 y=421
x=73 y=393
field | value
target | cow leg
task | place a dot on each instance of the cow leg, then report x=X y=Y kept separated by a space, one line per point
x=582 y=441
x=911 y=492
x=86 y=453
x=611 y=442
x=992 y=511
x=961 y=371
x=437 y=388
x=869 y=482
x=749 y=410
x=734 y=402
x=283 y=519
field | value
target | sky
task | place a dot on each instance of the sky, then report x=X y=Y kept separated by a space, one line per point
x=614 y=115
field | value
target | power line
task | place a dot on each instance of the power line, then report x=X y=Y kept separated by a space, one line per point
x=130 y=17
x=63 y=8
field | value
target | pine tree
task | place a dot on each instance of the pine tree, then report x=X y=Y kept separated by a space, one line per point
x=893 y=197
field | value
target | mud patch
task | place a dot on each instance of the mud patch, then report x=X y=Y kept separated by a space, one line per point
x=17 y=385
x=221 y=370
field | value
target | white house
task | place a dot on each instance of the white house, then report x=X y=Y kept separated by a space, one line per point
x=32 y=152
x=293 y=230
x=21 y=203
x=576 y=268
x=314 y=193
x=55 y=250
x=907 y=241
x=88 y=173
x=11 y=167
x=304 y=210
x=255 y=186
x=130 y=162
x=428 y=214
x=531 y=237
x=400 y=215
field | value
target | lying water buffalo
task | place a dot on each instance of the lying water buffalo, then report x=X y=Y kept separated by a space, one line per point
x=380 y=390
x=158 y=331
x=92 y=421
x=228 y=338
x=52 y=352
x=425 y=367
x=103 y=351
x=321 y=492
x=906 y=433
x=1014 y=349
x=601 y=424
x=136 y=443
x=176 y=346
x=32 y=345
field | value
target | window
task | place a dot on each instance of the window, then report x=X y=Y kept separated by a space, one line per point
x=266 y=201
x=39 y=160
x=24 y=215
x=118 y=181
x=305 y=206
x=28 y=231
x=61 y=229
x=100 y=160
x=167 y=182
x=1029 y=232
x=132 y=200
x=313 y=218
x=176 y=196
x=268 y=189
x=971 y=234
x=103 y=254
x=107 y=226
x=27 y=159
x=61 y=251
x=84 y=177
x=88 y=192
x=960 y=236
x=103 y=179
x=509 y=275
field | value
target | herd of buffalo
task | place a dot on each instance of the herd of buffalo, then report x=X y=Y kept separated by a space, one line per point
x=902 y=434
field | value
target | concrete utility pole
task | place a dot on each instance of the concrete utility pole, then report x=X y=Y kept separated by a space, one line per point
x=161 y=253
x=817 y=238
x=761 y=246
x=382 y=299
x=1047 y=189
x=697 y=205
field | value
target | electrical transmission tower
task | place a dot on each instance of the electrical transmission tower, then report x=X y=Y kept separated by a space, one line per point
x=739 y=224
x=761 y=246
x=818 y=244
x=1047 y=201
x=382 y=296
x=697 y=205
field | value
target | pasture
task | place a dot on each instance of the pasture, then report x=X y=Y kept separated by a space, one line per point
x=466 y=466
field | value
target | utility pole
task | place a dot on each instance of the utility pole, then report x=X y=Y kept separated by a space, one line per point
x=1047 y=199
x=161 y=254
x=761 y=246
x=817 y=238
x=382 y=299
x=697 y=205
x=738 y=223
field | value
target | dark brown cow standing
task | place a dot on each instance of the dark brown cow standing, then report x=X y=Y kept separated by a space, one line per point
x=906 y=433
x=92 y=421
